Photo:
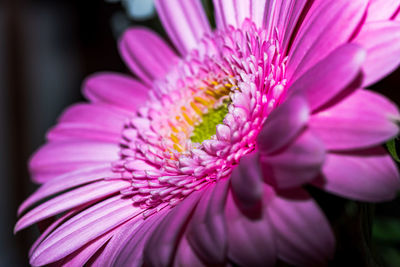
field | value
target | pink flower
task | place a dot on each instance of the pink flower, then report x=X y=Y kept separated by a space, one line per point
x=201 y=160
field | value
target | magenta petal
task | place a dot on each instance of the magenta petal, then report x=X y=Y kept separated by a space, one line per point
x=207 y=229
x=90 y=122
x=231 y=12
x=79 y=230
x=289 y=15
x=367 y=175
x=58 y=158
x=329 y=25
x=382 y=9
x=251 y=241
x=361 y=120
x=81 y=256
x=146 y=54
x=185 y=255
x=115 y=89
x=71 y=199
x=303 y=234
x=247 y=181
x=283 y=124
x=67 y=181
x=184 y=21
x=162 y=244
x=297 y=164
x=381 y=40
x=330 y=76
x=126 y=249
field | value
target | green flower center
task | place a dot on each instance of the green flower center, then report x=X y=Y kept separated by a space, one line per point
x=208 y=125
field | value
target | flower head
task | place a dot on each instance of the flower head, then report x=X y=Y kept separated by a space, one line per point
x=201 y=162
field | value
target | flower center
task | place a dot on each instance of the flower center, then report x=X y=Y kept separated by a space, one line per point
x=208 y=126
x=202 y=118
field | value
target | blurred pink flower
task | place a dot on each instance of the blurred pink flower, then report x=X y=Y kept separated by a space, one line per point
x=201 y=160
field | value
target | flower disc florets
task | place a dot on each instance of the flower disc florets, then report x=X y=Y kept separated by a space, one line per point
x=203 y=117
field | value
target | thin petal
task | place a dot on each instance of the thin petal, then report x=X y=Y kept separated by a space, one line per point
x=289 y=16
x=162 y=245
x=251 y=240
x=146 y=54
x=185 y=255
x=330 y=25
x=90 y=122
x=234 y=12
x=247 y=181
x=115 y=89
x=69 y=200
x=363 y=119
x=207 y=229
x=83 y=228
x=330 y=76
x=81 y=256
x=303 y=234
x=382 y=9
x=127 y=247
x=364 y=175
x=297 y=164
x=67 y=181
x=58 y=158
x=185 y=22
x=382 y=41
x=284 y=124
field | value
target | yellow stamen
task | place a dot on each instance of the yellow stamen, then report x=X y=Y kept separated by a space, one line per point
x=177 y=148
x=201 y=100
x=187 y=118
x=174 y=138
x=228 y=85
x=214 y=83
x=196 y=108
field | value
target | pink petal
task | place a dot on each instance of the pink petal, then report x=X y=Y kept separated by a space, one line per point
x=82 y=131
x=126 y=248
x=381 y=40
x=115 y=89
x=185 y=22
x=329 y=25
x=361 y=120
x=283 y=124
x=146 y=54
x=81 y=256
x=162 y=245
x=54 y=226
x=303 y=234
x=185 y=256
x=330 y=76
x=58 y=158
x=207 y=229
x=233 y=12
x=289 y=15
x=365 y=175
x=83 y=228
x=297 y=164
x=69 y=200
x=67 y=181
x=382 y=9
x=247 y=181
x=90 y=121
x=251 y=240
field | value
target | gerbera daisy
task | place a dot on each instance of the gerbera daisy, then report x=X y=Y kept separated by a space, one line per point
x=201 y=160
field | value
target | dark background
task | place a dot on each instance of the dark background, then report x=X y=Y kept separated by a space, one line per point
x=47 y=48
